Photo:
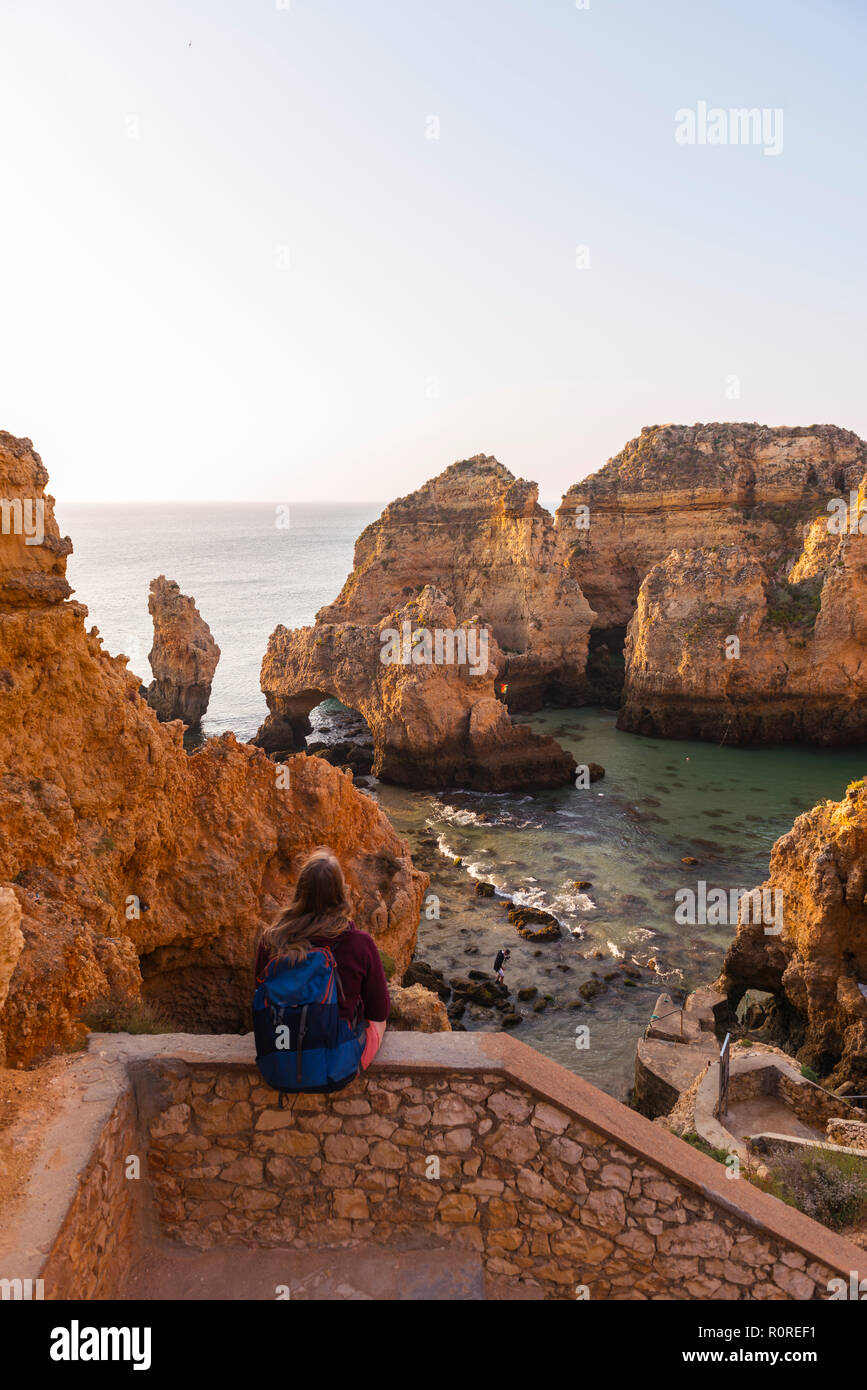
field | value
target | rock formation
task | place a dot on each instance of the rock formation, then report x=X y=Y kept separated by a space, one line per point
x=433 y=723
x=139 y=870
x=417 y=1010
x=184 y=655
x=11 y=946
x=722 y=647
x=816 y=964
x=479 y=535
x=715 y=531
x=471 y=552
x=677 y=487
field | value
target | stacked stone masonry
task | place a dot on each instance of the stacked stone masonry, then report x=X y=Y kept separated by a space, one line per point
x=809 y=1102
x=100 y=1233
x=469 y=1143
x=470 y=1161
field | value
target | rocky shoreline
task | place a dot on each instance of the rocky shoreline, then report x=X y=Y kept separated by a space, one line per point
x=552 y=613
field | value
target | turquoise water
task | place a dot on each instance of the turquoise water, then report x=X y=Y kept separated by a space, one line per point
x=245 y=573
x=659 y=801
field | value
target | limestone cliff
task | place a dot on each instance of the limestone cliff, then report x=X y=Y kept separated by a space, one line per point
x=724 y=647
x=11 y=945
x=692 y=535
x=817 y=962
x=433 y=723
x=136 y=868
x=479 y=535
x=476 y=551
x=680 y=487
x=184 y=655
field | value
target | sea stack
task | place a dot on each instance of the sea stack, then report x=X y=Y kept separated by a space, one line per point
x=184 y=655
x=457 y=611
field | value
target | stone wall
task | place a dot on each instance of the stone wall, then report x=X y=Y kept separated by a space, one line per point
x=812 y=1104
x=451 y=1140
x=100 y=1233
x=474 y=1155
x=777 y=1076
x=850 y=1133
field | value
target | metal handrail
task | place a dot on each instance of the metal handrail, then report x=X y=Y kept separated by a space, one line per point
x=820 y=1087
x=657 y=1018
x=724 y=1072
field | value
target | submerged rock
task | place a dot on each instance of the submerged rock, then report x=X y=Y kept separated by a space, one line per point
x=590 y=988
x=483 y=994
x=420 y=973
x=534 y=924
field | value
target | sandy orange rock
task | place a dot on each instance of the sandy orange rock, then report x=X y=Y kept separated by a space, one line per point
x=433 y=723
x=683 y=488
x=723 y=647
x=679 y=487
x=139 y=869
x=417 y=1010
x=475 y=542
x=184 y=655
x=817 y=962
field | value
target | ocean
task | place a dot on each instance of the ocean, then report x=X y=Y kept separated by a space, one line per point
x=659 y=802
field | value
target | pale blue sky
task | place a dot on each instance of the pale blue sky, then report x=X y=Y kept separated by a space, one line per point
x=155 y=344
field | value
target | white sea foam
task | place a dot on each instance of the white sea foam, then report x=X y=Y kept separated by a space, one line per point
x=636 y=934
x=462 y=816
x=570 y=899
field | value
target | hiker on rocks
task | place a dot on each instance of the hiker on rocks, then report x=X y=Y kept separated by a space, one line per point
x=500 y=962
x=317 y=935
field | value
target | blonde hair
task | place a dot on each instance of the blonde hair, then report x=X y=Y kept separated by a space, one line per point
x=320 y=907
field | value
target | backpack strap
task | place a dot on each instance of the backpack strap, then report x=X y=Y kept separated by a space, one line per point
x=342 y=995
x=302 y=1029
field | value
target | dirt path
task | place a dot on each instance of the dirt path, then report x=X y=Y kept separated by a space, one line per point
x=27 y=1099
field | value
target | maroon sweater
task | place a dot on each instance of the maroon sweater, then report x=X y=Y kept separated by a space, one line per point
x=361 y=972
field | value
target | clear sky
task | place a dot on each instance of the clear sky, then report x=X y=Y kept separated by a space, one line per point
x=235 y=265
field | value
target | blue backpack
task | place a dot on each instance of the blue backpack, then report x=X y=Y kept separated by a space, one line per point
x=302 y=1043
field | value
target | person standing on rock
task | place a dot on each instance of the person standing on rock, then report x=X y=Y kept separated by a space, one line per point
x=318 y=916
x=500 y=962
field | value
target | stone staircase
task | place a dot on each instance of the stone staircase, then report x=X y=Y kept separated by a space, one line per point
x=679 y=1044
